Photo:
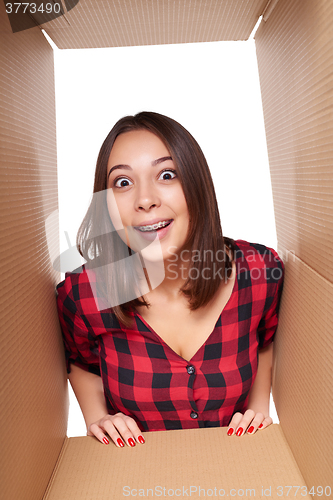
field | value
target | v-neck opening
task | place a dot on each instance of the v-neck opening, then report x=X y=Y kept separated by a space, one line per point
x=209 y=336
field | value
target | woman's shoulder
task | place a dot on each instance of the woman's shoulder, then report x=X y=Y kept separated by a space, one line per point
x=80 y=294
x=258 y=251
x=73 y=280
x=70 y=291
x=79 y=288
x=257 y=256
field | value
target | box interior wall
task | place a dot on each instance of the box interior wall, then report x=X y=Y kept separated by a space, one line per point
x=294 y=49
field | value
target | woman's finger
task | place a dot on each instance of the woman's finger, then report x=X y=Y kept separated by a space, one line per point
x=117 y=427
x=134 y=428
x=265 y=423
x=256 y=422
x=113 y=433
x=234 y=422
x=95 y=430
x=245 y=422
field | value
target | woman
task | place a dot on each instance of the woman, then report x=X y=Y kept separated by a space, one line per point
x=187 y=347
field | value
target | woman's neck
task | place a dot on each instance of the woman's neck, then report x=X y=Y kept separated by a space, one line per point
x=175 y=276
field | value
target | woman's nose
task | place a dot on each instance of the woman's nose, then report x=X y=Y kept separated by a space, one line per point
x=147 y=198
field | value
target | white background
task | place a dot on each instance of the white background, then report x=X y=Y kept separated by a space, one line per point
x=210 y=88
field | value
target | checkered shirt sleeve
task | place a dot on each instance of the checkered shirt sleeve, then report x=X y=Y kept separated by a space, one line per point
x=81 y=346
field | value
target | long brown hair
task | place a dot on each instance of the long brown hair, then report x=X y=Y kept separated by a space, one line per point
x=97 y=240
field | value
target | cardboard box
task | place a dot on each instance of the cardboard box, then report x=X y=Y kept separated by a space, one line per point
x=294 y=48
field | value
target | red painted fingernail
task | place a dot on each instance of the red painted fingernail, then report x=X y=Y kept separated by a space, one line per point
x=239 y=431
x=260 y=426
x=230 y=431
x=120 y=443
x=105 y=440
x=131 y=442
x=141 y=439
x=251 y=429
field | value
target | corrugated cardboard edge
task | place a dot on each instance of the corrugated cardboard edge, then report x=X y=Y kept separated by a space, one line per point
x=133 y=23
x=294 y=53
x=34 y=408
x=56 y=467
x=174 y=459
x=306 y=319
x=297 y=97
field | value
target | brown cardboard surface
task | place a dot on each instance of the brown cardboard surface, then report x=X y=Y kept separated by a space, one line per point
x=294 y=50
x=295 y=58
x=302 y=372
x=178 y=460
x=33 y=410
x=113 y=23
x=297 y=93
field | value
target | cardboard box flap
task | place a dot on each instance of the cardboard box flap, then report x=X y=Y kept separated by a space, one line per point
x=302 y=372
x=295 y=50
x=129 y=22
x=196 y=463
x=295 y=59
x=34 y=407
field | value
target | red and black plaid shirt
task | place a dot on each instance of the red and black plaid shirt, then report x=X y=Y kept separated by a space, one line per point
x=145 y=379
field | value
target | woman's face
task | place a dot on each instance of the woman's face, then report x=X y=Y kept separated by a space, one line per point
x=144 y=190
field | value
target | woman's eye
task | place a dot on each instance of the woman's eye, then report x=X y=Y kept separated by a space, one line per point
x=167 y=175
x=122 y=182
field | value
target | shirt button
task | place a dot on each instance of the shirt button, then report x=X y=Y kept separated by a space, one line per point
x=193 y=414
x=190 y=369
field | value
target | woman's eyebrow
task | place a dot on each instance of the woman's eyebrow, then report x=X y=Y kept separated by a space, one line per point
x=125 y=167
x=153 y=164
x=160 y=160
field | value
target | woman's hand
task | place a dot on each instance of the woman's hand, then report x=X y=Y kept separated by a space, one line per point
x=117 y=426
x=248 y=423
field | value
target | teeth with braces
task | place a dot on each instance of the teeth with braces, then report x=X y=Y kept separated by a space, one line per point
x=153 y=227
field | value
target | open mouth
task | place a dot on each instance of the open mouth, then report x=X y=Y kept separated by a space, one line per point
x=154 y=227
